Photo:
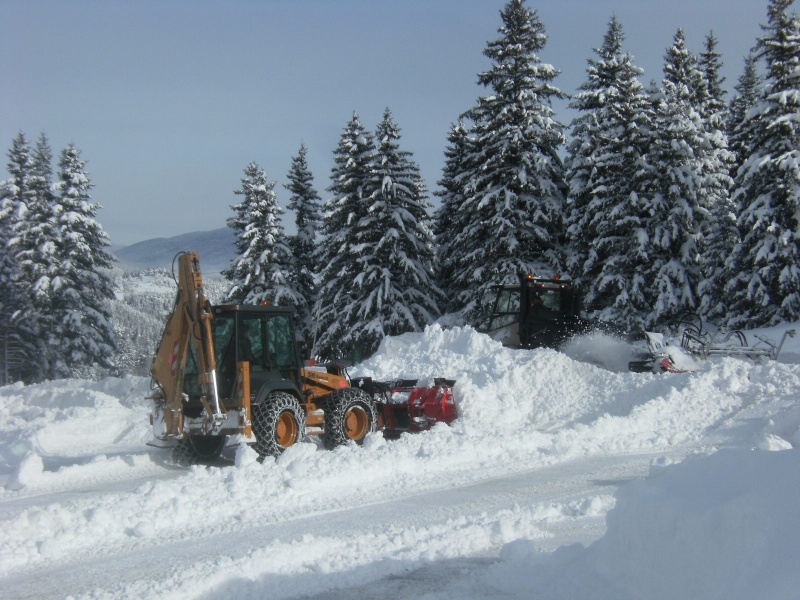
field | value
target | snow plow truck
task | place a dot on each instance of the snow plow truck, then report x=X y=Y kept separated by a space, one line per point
x=233 y=373
x=539 y=312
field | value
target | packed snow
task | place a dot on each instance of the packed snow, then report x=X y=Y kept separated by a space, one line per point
x=566 y=476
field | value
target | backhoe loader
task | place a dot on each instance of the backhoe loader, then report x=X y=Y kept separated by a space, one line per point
x=234 y=370
x=233 y=373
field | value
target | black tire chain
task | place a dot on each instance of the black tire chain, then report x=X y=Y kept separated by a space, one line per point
x=337 y=405
x=265 y=418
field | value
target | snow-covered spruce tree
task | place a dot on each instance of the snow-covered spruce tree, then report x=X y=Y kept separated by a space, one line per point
x=394 y=290
x=33 y=246
x=345 y=219
x=260 y=271
x=41 y=175
x=305 y=202
x=16 y=339
x=710 y=93
x=748 y=91
x=450 y=218
x=606 y=251
x=11 y=350
x=674 y=189
x=718 y=233
x=722 y=238
x=767 y=187
x=82 y=287
x=513 y=177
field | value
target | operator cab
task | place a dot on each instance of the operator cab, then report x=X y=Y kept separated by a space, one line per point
x=536 y=312
x=260 y=335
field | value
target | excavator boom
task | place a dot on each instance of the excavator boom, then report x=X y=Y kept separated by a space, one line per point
x=189 y=323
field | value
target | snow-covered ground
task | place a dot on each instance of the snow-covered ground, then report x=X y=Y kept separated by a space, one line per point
x=565 y=477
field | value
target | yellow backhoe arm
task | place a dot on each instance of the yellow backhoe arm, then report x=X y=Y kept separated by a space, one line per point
x=189 y=323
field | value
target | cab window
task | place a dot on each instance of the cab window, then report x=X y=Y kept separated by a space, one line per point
x=506 y=310
x=251 y=341
x=223 y=332
x=551 y=299
x=545 y=304
x=281 y=342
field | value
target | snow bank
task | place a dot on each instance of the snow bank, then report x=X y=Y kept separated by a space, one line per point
x=550 y=403
x=724 y=526
x=59 y=426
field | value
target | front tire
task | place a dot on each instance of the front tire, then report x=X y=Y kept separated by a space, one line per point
x=278 y=423
x=349 y=415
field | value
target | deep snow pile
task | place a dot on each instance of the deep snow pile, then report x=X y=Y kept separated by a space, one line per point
x=718 y=527
x=518 y=411
x=47 y=431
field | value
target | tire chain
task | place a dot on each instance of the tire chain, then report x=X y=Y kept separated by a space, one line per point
x=338 y=403
x=265 y=418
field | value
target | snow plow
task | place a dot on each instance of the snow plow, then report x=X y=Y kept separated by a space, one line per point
x=406 y=406
x=233 y=373
x=697 y=344
x=539 y=312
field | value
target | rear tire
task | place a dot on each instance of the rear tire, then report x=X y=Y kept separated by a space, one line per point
x=195 y=449
x=349 y=415
x=278 y=423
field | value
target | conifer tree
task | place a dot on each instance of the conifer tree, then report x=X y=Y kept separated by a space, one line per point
x=718 y=233
x=260 y=271
x=305 y=202
x=675 y=192
x=377 y=254
x=451 y=218
x=10 y=351
x=33 y=246
x=748 y=91
x=513 y=177
x=345 y=220
x=18 y=190
x=16 y=339
x=81 y=286
x=711 y=97
x=394 y=289
x=606 y=251
x=41 y=175
x=722 y=238
x=766 y=290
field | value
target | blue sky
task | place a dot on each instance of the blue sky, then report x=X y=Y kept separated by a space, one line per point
x=170 y=100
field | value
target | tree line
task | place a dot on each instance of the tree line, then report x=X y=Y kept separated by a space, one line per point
x=657 y=199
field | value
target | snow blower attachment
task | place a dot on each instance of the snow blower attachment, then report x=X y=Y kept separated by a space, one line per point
x=406 y=406
x=698 y=344
x=233 y=373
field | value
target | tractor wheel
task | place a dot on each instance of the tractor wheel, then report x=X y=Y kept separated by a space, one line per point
x=278 y=422
x=198 y=449
x=349 y=415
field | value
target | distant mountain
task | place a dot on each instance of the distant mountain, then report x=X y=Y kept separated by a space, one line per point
x=216 y=249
